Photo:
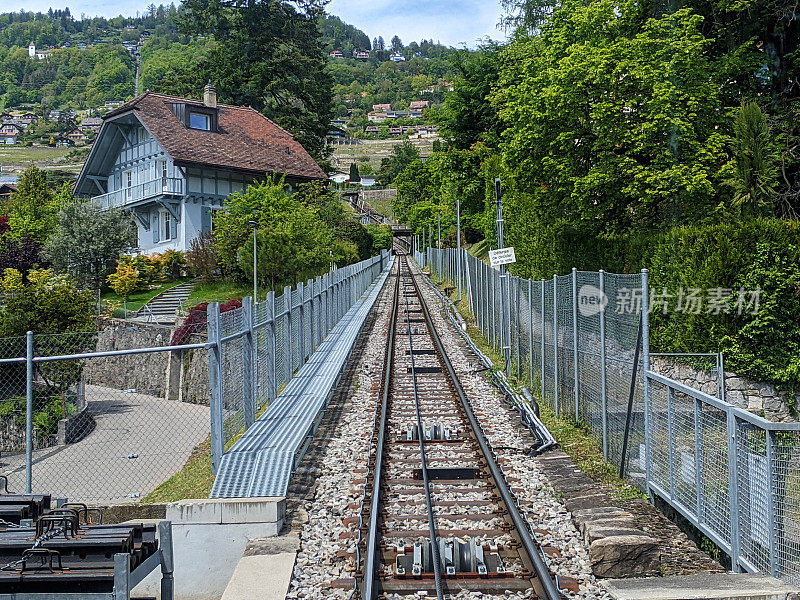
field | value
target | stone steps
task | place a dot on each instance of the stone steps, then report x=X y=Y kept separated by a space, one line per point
x=164 y=307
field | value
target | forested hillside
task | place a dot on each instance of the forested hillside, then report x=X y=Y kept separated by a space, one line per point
x=93 y=60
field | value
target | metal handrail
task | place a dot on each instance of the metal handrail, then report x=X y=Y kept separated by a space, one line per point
x=172 y=186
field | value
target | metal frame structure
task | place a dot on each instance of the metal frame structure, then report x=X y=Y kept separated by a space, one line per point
x=124 y=579
x=254 y=351
x=282 y=332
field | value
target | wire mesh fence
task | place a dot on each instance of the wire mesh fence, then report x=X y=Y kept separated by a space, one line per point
x=109 y=416
x=581 y=342
x=86 y=422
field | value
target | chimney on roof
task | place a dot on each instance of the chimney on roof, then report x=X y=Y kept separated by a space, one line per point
x=210 y=96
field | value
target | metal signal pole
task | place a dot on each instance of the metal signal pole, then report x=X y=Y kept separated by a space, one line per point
x=458 y=245
x=504 y=308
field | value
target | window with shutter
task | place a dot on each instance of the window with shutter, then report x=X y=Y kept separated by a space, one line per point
x=155 y=227
x=167 y=232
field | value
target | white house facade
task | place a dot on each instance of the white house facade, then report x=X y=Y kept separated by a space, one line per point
x=172 y=161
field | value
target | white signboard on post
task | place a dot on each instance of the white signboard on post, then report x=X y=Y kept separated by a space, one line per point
x=503 y=256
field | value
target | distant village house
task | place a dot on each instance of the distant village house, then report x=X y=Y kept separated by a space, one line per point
x=6 y=189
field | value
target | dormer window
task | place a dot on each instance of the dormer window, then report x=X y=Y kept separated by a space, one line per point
x=200 y=121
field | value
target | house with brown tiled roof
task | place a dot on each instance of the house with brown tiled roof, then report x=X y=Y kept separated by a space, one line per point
x=172 y=161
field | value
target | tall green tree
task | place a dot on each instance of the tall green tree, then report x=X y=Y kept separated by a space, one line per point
x=401 y=156
x=88 y=241
x=355 y=176
x=293 y=244
x=268 y=55
x=756 y=162
x=468 y=116
x=33 y=209
x=608 y=130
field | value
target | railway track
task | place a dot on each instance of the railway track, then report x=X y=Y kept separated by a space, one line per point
x=438 y=517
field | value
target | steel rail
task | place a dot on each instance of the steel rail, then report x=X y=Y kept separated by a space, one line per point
x=532 y=549
x=370 y=589
x=437 y=567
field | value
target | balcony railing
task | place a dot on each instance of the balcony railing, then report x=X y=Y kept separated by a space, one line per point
x=163 y=186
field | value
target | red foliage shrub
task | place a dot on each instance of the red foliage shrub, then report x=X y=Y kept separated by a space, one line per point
x=4 y=228
x=23 y=255
x=197 y=320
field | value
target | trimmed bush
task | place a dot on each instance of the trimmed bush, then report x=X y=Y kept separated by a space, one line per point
x=761 y=254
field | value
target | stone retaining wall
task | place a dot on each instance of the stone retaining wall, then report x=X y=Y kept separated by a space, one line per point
x=75 y=428
x=759 y=398
x=12 y=436
x=177 y=375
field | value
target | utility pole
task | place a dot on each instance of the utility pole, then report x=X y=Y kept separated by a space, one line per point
x=506 y=326
x=458 y=245
x=254 y=225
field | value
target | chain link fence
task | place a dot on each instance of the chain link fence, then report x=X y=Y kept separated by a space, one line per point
x=82 y=418
x=109 y=416
x=582 y=342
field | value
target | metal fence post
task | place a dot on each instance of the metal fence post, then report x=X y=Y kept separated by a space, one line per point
x=287 y=341
x=328 y=302
x=29 y=412
x=721 y=375
x=492 y=306
x=774 y=567
x=216 y=383
x=671 y=450
x=312 y=320
x=575 y=341
x=603 y=386
x=302 y=325
x=248 y=389
x=648 y=432
x=505 y=325
x=530 y=333
x=272 y=363
x=544 y=343
x=516 y=322
x=484 y=293
x=555 y=343
x=733 y=489
x=698 y=459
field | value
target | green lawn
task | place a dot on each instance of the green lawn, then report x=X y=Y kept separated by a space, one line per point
x=219 y=291
x=195 y=480
x=139 y=299
x=23 y=154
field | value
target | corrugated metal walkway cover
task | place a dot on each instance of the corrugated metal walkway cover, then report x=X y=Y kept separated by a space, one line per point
x=262 y=461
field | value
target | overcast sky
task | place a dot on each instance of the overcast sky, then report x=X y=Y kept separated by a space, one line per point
x=452 y=22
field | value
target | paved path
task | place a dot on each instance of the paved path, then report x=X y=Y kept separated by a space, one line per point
x=138 y=442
